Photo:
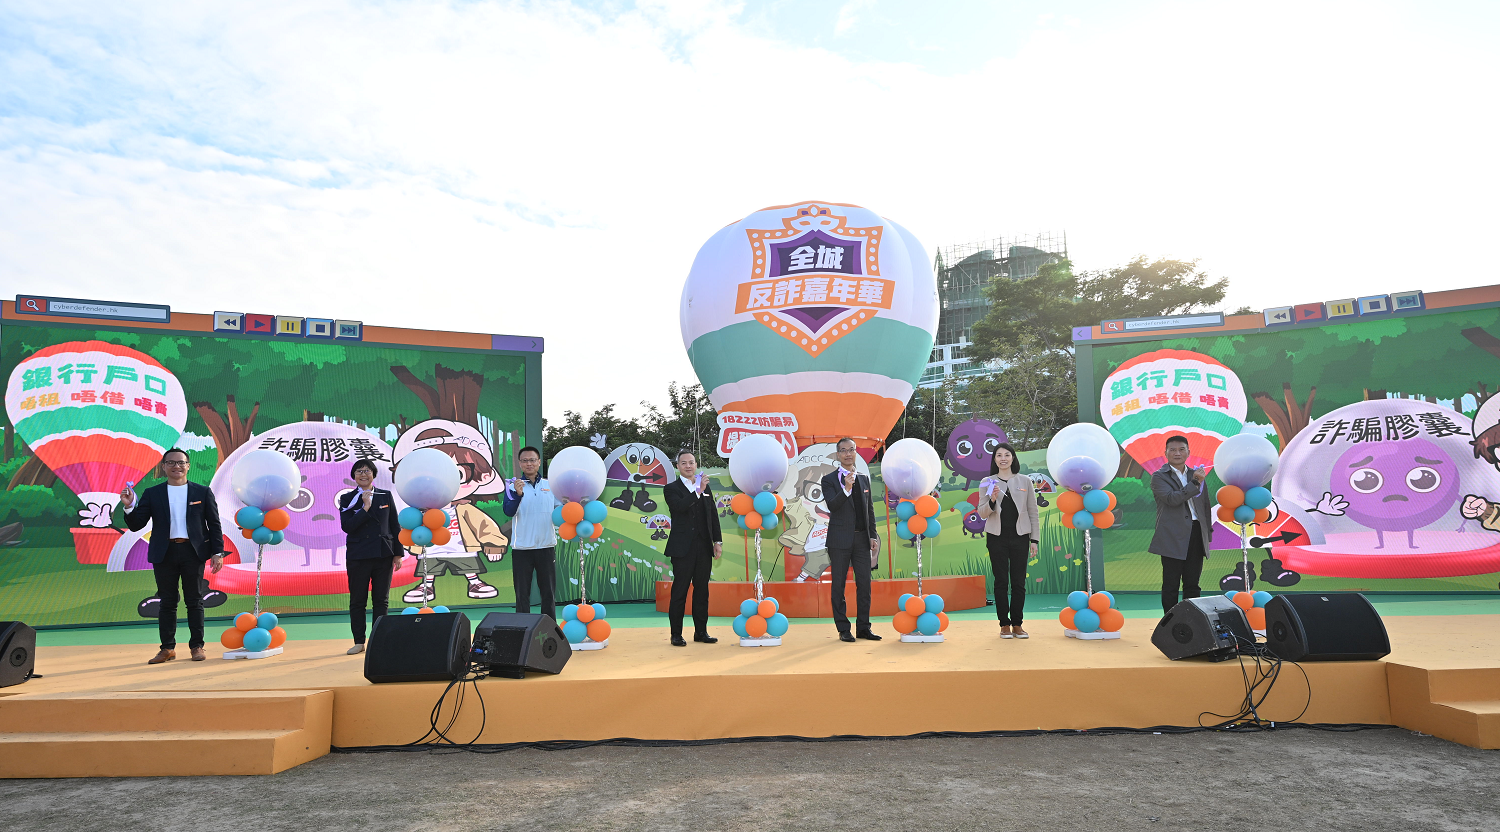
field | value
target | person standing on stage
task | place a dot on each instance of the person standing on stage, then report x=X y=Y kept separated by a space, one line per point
x=1007 y=502
x=372 y=549
x=852 y=540
x=692 y=546
x=185 y=534
x=533 y=544
x=1182 y=524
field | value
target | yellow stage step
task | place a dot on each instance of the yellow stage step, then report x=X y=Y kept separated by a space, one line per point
x=151 y=734
x=1460 y=704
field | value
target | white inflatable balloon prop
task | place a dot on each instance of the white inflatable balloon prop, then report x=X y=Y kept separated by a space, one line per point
x=758 y=466
x=265 y=479
x=1083 y=457
x=576 y=474
x=911 y=468
x=1246 y=461
x=427 y=478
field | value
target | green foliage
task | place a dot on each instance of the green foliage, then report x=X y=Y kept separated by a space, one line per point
x=688 y=422
x=931 y=415
x=1032 y=397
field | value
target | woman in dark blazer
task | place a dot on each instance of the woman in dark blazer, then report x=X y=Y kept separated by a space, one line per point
x=1007 y=502
x=368 y=516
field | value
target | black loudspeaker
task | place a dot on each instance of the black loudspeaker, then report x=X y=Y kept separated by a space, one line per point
x=512 y=643
x=17 y=653
x=1325 y=627
x=1212 y=627
x=425 y=647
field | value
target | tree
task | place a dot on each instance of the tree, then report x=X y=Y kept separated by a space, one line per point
x=930 y=415
x=1032 y=397
x=690 y=423
x=575 y=430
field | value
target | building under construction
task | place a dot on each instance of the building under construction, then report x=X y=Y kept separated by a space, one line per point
x=964 y=272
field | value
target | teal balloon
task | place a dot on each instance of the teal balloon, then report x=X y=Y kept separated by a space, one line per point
x=928 y=623
x=1244 y=514
x=266 y=621
x=598 y=611
x=421 y=536
x=1085 y=620
x=901 y=604
x=1083 y=521
x=570 y=612
x=557 y=518
x=1078 y=599
x=934 y=528
x=410 y=517
x=595 y=512
x=1110 y=596
x=765 y=502
x=775 y=603
x=776 y=625
x=903 y=532
x=1096 y=501
x=768 y=521
x=1231 y=593
x=906 y=510
x=277 y=537
x=1258 y=497
x=257 y=640
x=261 y=535
x=739 y=627
x=440 y=608
x=585 y=529
x=748 y=607
x=410 y=611
x=1262 y=598
x=575 y=631
x=249 y=517
x=934 y=603
x=741 y=521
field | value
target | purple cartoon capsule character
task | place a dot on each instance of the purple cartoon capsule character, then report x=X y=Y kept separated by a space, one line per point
x=1396 y=486
x=971 y=449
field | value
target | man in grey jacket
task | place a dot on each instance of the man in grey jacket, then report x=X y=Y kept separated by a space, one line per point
x=1183 y=524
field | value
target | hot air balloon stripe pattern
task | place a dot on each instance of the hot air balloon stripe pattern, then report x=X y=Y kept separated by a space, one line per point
x=98 y=414
x=1172 y=392
x=823 y=310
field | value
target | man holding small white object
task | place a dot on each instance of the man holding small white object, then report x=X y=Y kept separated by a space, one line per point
x=528 y=499
x=1011 y=528
x=851 y=528
x=694 y=543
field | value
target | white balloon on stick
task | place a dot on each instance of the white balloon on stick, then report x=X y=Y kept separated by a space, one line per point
x=911 y=468
x=757 y=463
x=265 y=479
x=427 y=478
x=576 y=474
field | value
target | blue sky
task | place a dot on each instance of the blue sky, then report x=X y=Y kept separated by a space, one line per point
x=505 y=166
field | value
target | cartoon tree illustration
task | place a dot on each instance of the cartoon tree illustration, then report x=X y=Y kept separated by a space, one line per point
x=229 y=431
x=1291 y=420
x=453 y=396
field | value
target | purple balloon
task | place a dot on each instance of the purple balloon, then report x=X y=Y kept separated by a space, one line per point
x=1081 y=473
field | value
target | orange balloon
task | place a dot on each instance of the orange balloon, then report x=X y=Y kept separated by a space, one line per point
x=599 y=629
x=278 y=637
x=441 y=535
x=766 y=608
x=248 y=533
x=568 y=531
x=405 y=537
x=1257 y=617
x=233 y=638
x=425 y=610
x=277 y=519
x=927 y=505
x=585 y=613
x=780 y=504
x=1262 y=515
x=917 y=523
x=572 y=512
x=1067 y=520
x=755 y=626
x=598 y=531
x=1104 y=519
x=1110 y=621
x=752 y=521
x=1069 y=503
x=1243 y=600
x=1230 y=496
x=1226 y=514
x=1066 y=617
x=915 y=606
x=942 y=621
x=742 y=504
x=435 y=518
x=1099 y=602
x=1112 y=501
x=904 y=622
x=244 y=622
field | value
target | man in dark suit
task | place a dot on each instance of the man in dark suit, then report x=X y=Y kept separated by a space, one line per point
x=184 y=533
x=694 y=544
x=372 y=550
x=1183 y=524
x=851 y=539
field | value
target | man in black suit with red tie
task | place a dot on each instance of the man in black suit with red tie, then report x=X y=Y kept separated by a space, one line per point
x=185 y=533
x=694 y=544
x=851 y=540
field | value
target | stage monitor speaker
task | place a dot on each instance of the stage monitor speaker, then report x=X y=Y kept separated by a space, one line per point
x=425 y=647
x=513 y=643
x=17 y=653
x=1211 y=626
x=1325 y=627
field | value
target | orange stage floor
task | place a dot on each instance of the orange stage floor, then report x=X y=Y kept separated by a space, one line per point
x=1443 y=678
x=810 y=599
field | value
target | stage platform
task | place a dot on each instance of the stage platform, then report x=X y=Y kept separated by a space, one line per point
x=101 y=711
x=810 y=599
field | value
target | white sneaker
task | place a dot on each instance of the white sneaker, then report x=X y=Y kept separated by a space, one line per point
x=480 y=589
x=355 y=650
x=420 y=594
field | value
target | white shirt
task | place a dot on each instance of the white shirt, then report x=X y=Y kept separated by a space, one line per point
x=1182 y=477
x=691 y=484
x=177 y=503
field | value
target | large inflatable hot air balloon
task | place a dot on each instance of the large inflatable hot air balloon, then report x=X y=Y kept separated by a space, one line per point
x=1168 y=393
x=819 y=310
x=98 y=414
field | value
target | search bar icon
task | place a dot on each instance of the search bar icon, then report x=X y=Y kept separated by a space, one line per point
x=80 y=308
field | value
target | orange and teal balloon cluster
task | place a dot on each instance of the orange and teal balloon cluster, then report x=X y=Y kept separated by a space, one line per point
x=262 y=527
x=584 y=621
x=254 y=633
x=759 y=619
x=1244 y=507
x=423 y=528
x=424 y=610
x=1093 y=509
x=918 y=518
x=1091 y=613
x=1254 y=605
x=758 y=511
x=580 y=520
x=921 y=614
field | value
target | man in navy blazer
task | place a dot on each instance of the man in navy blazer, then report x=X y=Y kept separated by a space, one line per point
x=184 y=534
x=852 y=540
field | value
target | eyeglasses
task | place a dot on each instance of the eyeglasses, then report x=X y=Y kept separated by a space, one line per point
x=174 y=465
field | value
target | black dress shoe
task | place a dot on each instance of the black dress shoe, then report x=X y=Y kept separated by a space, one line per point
x=846 y=637
x=677 y=641
x=705 y=639
x=868 y=636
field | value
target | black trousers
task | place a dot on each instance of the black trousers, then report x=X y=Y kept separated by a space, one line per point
x=368 y=576
x=180 y=566
x=840 y=560
x=1008 y=556
x=690 y=571
x=543 y=563
x=1185 y=571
